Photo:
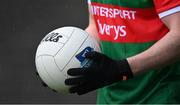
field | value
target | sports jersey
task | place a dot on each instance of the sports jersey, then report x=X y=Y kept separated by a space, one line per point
x=127 y=28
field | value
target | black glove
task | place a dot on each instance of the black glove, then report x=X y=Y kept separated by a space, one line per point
x=101 y=72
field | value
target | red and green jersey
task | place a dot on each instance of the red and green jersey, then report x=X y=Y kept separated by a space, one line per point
x=127 y=28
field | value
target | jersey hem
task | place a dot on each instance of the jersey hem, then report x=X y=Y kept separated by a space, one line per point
x=89 y=1
x=169 y=12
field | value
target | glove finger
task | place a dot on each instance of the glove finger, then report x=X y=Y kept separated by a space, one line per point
x=74 y=89
x=80 y=88
x=76 y=71
x=75 y=81
x=91 y=85
x=93 y=55
x=86 y=89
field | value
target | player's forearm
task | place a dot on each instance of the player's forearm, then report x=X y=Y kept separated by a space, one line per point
x=160 y=54
x=91 y=29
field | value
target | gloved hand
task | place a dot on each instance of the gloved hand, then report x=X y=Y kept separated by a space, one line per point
x=101 y=72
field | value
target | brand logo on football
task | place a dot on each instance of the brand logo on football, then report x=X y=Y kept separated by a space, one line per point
x=52 y=37
x=81 y=57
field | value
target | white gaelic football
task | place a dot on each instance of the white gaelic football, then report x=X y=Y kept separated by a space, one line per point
x=60 y=50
